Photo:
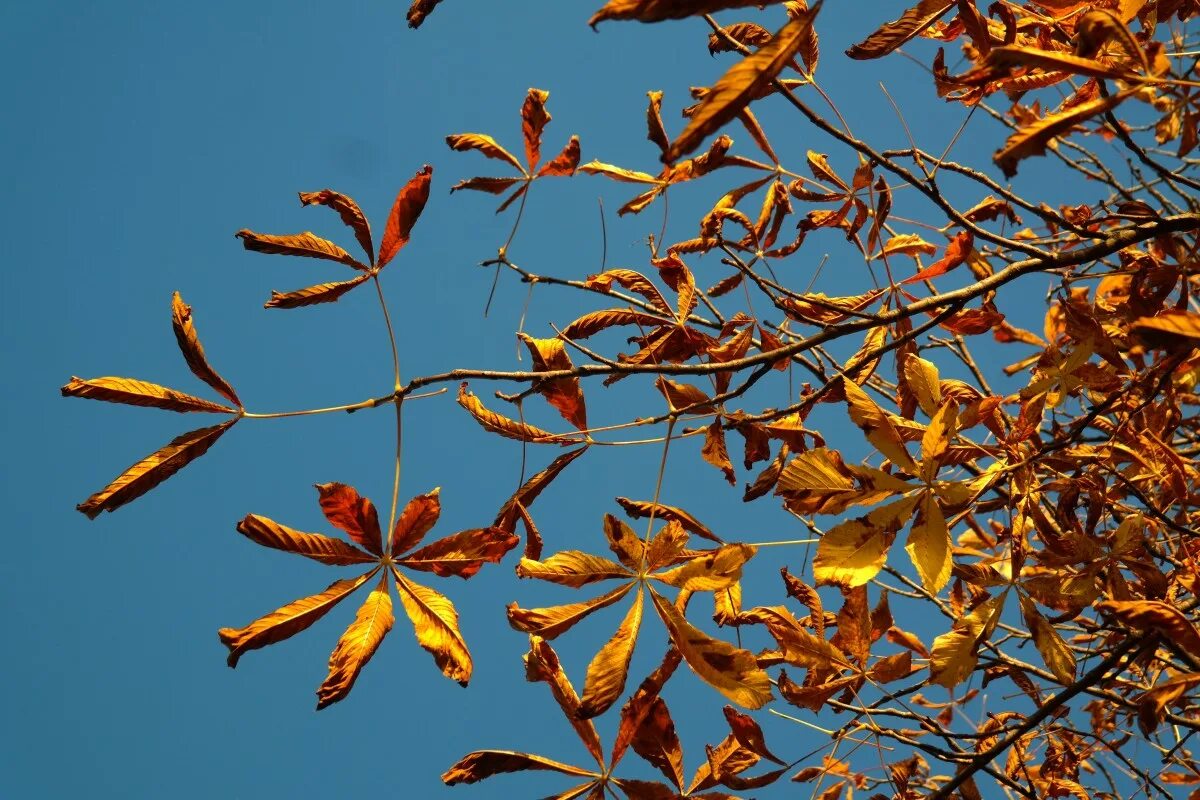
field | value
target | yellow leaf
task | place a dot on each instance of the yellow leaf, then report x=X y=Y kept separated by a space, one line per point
x=929 y=544
x=852 y=553
x=717 y=570
x=572 y=568
x=435 y=622
x=542 y=664
x=289 y=620
x=741 y=84
x=608 y=670
x=357 y=645
x=1032 y=139
x=936 y=439
x=731 y=671
x=564 y=394
x=1155 y=615
x=1055 y=653
x=508 y=428
x=954 y=656
x=873 y=422
x=922 y=378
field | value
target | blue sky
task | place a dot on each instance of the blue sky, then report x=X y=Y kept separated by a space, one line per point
x=141 y=136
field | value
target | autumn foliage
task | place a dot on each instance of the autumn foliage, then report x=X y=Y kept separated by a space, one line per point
x=1035 y=509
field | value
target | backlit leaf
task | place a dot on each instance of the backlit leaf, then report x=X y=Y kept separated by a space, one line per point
x=357 y=645
x=325 y=549
x=929 y=544
x=852 y=553
x=463 y=553
x=552 y=622
x=484 y=144
x=435 y=622
x=893 y=34
x=506 y=427
x=407 y=208
x=348 y=210
x=572 y=568
x=301 y=244
x=193 y=352
x=608 y=670
x=352 y=513
x=313 y=295
x=139 y=393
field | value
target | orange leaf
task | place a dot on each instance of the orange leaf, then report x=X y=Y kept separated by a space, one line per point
x=484 y=144
x=289 y=620
x=313 y=295
x=641 y=509
x=325 y=549
x=482 y=764
x=552 y=622
x=893 y=34
x=305 y=244
x=608 y=670
x=153 y=469
x=347 y=511
x=534 y=117
x=193 y=352
x=417 y=519
x=348 y=210
x=463 y=553
x=956 y=253
x=563 y=164
x=542 y=664
x=564 y=394
x=1155 y=615
x=508 y=428
x=741 y=84
x=139 y=393
x=410 y=202
x=572 y=568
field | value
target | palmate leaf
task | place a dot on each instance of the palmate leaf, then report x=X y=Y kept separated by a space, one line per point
x=419 y=516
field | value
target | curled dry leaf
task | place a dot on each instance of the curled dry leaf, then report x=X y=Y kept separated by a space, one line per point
x=741 y=84
x=193 y=352
x=504 y=426
x=895 y=33
x=139 y=393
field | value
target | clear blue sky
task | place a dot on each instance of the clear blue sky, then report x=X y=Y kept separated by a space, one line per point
x=139 y=138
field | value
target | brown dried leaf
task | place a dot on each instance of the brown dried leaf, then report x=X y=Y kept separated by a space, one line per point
x=504 y=426
x=139 y=393
x=324 y=549
x=349 y=212
x=305 y=244
x=193 y=351
x=357 y=645
x=410 y=202
x=893 y=34
x=348 y=511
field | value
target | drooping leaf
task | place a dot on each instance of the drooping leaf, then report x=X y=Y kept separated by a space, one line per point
x=893 y=34
x=879 y=430
x=564 y=394
x=153 y=469
x=1054 y=651
x=435 y=622
x=954 y=654
x=731 y=671
x=852 y=553
x=482 y=764
x=1156 y=616
x=608 y=670
x=1033 y=139
x=534 y=118
x=348 y=210
x=929 y=544
x=193 y=352
x=485 y=145
x=741 y=84
x=504 y=426
x=289 y=620
x=139 y=393
x=357 y=645
x=313 y=295
x=552 y=622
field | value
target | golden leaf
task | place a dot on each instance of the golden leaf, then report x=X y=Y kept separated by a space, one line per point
x=463 y=553
x=741 y=84
x=489 y=185
x=660 y=10
x=893 y=34
x=324 y=549
x=817 y=481
x=655 y=131
x=1032 y=139
x=717 y=570
x=407 y=208
x=618 y=173
x=683 y=395
x=730 y=670
x=305 y=244
x=953 y=656
x=357 y=645
x=852 y=553
x=551 y=622
x=289 y=620
x=313 y=295
x=351 y=215
x=624 y=542
x=667 y=545
x=1169 y=328
x=880 y=432
x=922 y=378
x=608 y=670
x=572 y=568
x=153 y=469
x=481 y=764
x=936 y=439
x=504 y=426
x=798 y=645
x=907 y=244
x=1155 y=615
x=716 y=453
x=1055 y=653
x=929 y=544
x=542 y=664
x=139 y=393
x=1152 y=705
x=639 y=509
x=529 y=491
x=417 y=519
x=484 y=144
x=564 y=394
x=193 y=352
x=435 y=622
